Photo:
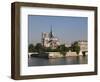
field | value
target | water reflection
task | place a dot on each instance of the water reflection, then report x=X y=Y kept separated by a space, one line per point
x=34 y=61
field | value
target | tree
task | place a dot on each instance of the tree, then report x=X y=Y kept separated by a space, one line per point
x=39 y=48
x=31 y=48
x=62 y=49
x=48 y=49
x=75 y=47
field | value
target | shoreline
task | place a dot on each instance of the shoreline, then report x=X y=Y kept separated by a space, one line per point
x=54 y=55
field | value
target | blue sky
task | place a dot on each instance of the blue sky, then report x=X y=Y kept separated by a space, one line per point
x=67 y=29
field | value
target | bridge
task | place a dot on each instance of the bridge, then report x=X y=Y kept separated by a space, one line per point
x=29 y=54
x=83 y=52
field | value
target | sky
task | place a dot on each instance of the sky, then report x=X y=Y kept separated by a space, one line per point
x=65 y=28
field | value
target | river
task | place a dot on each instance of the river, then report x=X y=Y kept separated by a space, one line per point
x=35 y=61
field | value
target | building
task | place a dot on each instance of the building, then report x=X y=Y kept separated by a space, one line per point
x=68 y=44
x=49 y=40
x=83 y=46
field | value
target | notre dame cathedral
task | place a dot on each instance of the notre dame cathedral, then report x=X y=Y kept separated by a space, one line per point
x=49 y=40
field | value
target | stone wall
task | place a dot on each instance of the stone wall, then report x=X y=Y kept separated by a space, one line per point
x=55 y=55
x=71 y=53
x=58 y=54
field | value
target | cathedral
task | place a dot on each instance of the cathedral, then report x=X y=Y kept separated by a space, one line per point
x=49 y=40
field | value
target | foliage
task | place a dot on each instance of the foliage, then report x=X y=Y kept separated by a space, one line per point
x=62 y=49
x=39 y=48
x=75 y=47
x=31 y=48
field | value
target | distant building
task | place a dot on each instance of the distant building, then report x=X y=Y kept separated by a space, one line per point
x=83 y=47
x=68 y=44
x=49 y=40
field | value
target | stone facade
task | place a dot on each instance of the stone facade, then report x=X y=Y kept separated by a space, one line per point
x=71 y=53
x=49 y=40
x=58 y=54
x=83 y=47
x=55 y=55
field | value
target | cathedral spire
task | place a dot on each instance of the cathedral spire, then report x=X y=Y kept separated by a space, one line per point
x=51 y=35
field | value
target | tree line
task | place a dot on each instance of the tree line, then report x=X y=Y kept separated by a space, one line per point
x=61 y=48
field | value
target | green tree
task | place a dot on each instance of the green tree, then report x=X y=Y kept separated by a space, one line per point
x=62 y=49
x=75 y=47
x=47 y=49
x=39 y=48
x=31 y=48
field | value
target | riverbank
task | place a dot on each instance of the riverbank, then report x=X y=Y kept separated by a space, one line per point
x=54 y=54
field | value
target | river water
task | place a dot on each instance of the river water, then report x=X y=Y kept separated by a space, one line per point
x=34 y=61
